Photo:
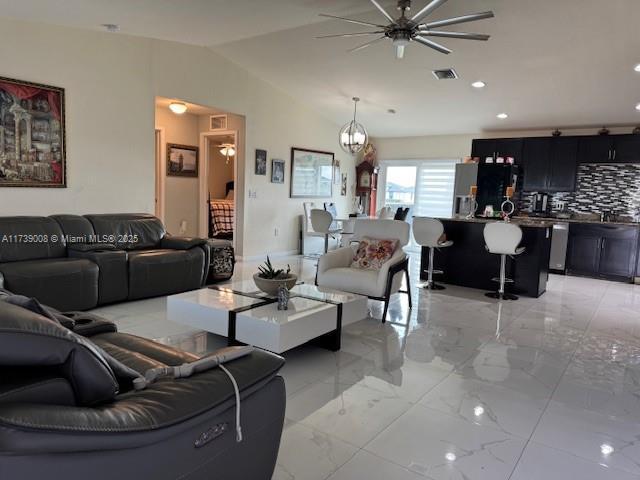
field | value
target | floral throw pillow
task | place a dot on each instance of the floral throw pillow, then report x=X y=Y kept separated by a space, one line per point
x=372 y=253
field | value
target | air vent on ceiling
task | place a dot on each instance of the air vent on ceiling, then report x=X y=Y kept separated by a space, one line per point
x=446 y=74
x=218 y=122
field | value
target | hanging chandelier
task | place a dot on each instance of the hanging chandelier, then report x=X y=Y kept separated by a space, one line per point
x=353 y=136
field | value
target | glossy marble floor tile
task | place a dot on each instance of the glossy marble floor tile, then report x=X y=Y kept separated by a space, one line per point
x=459 y=387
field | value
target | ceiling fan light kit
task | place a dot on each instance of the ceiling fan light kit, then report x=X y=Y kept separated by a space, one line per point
x=353 y=136
x=407 y=29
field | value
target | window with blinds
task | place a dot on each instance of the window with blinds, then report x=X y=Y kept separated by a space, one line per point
x=426 y=186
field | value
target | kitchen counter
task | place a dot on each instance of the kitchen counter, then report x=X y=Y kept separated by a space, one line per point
x=553 y=220
x=523 y=221
x=468 y=264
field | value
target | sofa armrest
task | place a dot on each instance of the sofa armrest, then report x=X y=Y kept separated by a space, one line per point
x=339 y=258
x=90 y=247
x=182 y=243
x=387 y=267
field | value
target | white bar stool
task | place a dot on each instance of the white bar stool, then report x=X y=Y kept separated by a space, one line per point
x=427 y=233
x=321 y=221
x=502 y=239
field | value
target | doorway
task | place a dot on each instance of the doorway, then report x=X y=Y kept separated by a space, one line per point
x=218 y=199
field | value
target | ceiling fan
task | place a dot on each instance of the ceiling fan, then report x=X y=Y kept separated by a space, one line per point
x=412 y=29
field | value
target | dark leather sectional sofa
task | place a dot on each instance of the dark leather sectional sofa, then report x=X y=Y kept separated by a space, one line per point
x=68 y=409
x=74 y=262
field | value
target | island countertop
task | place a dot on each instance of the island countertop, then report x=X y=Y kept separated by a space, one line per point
x=467 y=263
x=521 y=221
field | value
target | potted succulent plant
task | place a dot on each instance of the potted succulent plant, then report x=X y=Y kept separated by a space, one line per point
x=268 y=279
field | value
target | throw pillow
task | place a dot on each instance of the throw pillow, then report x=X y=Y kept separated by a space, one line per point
x=372 y=253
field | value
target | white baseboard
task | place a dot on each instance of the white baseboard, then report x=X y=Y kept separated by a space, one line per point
x=253 y=258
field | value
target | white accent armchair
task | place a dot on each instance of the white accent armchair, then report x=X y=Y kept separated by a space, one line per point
x=335 y=272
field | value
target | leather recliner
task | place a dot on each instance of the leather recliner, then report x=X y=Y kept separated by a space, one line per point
x=67 y=412
x=74 y=262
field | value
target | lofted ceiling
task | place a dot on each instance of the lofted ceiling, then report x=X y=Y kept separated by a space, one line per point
x=549 y=63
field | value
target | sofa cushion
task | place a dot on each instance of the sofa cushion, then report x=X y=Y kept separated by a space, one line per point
x=62 y=283
x=128 y=231
x=163 y=272
x=355 y=280
x=76 y=228
x=30 y=238
x=32 y=342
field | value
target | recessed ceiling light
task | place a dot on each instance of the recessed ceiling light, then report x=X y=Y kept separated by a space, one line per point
x=450 y=456
x=606 y=449
x=637 y=68
x=478 y=410
x=638 y=106
x=502 y=116
x=177 y=107
x=478 y=84
x=111 y=27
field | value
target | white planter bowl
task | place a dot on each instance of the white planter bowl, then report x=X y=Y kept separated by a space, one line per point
x=270 y=286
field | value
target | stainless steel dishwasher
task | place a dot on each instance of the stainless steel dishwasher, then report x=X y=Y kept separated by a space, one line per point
x=559 y=241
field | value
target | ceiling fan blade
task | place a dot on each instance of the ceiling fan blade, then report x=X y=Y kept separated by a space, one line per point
x=430 y=7
x=456 y=20
x=465 y=36
x=383 y=11
x=350 y=20
x=399 y=52
x=434 y=45
x=359 y=34
x=365 y=45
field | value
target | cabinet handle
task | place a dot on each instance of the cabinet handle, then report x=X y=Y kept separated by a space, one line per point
x=602 y=243
x=614 y=153
x=609 y=158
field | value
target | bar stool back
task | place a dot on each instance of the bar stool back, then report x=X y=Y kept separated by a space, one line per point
x=427 y=232
x=502 y=239
x=321 y=221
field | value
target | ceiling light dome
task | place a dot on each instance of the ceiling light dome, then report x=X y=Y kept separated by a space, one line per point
x=178 y=107
x=353 y=136
x=228 y=150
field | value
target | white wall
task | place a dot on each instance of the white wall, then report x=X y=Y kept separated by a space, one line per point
x=111 y=82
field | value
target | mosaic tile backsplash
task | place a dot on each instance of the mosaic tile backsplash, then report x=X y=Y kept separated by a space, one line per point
x=608 y=188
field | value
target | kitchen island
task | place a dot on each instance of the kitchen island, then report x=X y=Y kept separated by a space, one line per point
x=467 y=263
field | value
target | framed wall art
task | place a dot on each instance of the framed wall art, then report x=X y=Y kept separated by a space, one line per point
x=182 y=160
x=311 y=173
x=261 y=162
x=32 y=135
x=277 y=171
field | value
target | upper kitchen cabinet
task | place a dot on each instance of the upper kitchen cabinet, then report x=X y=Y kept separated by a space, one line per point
x=609 y=149
x=550 y=164
x=595 y=149
x=495 y=148
x=626 y=149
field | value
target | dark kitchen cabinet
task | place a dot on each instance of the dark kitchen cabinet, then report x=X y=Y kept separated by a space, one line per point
x=493 y=148
x=536 y=158
x=603 y=251
x=563 y=166
x=550 y=164
x=595 y=149
x=626 y=149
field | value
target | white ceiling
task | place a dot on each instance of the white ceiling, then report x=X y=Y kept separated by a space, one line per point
x=549 y=63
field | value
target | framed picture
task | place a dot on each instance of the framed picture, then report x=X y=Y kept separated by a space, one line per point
x=261 y=162
x=336 y=172
x=32 y=135
x=277 y=171
x=182 y=160
x=343 y=188
x=311 y=173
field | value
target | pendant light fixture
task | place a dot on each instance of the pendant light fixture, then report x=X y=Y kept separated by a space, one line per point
x=353 y=136
x=228 y=150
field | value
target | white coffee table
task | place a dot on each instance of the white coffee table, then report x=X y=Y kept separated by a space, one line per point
x=243 y=314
